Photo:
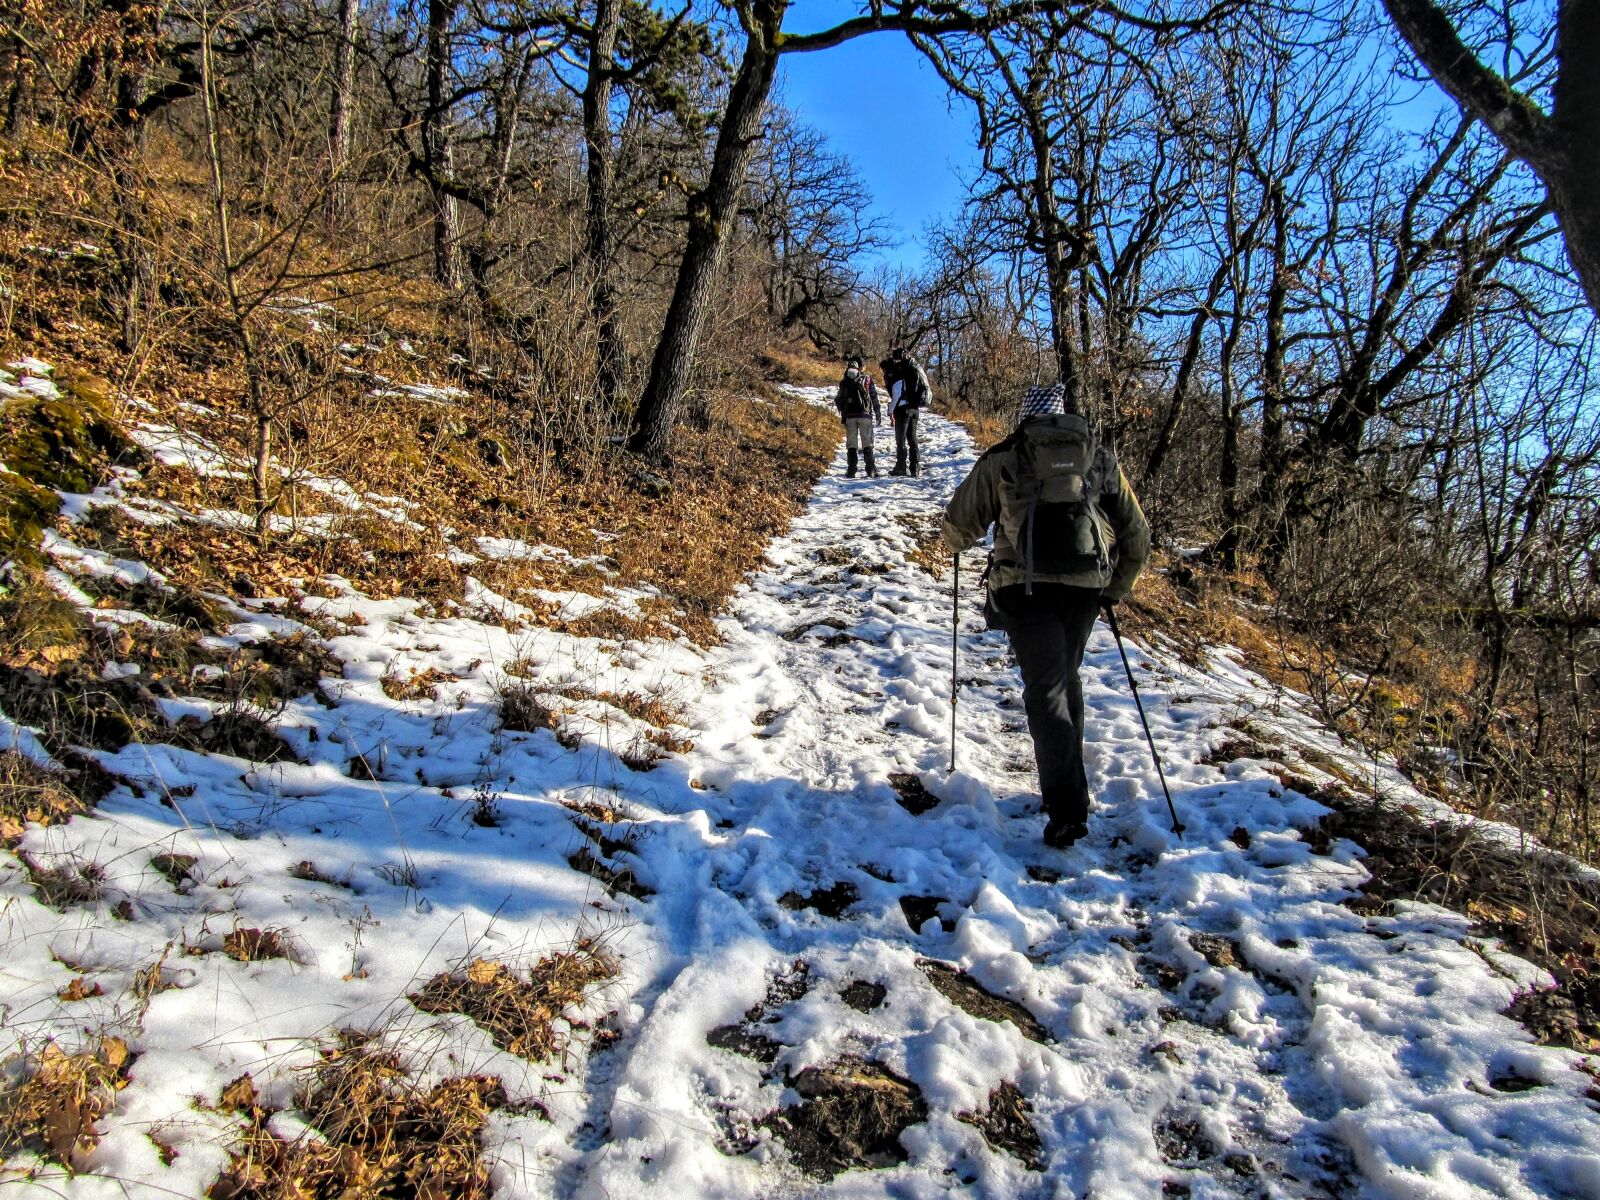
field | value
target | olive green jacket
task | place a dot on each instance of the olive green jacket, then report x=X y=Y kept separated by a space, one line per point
x=976 y=506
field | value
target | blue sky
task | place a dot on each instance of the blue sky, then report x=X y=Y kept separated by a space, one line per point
x=879 y=102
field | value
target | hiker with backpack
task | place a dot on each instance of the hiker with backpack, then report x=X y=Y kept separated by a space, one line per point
x=1069 y=537
x=857 y=403
x=909 y=394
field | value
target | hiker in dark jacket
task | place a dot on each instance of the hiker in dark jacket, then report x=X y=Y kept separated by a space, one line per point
x=856 y=401
x=909 y=394
x=1069 y=537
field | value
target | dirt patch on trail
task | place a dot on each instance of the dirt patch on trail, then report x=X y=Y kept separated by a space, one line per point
x=745 y=1037
x=851 y=1114
x=864 y=996
x=1006 y=1125
x=971 y=997
x=1533 y=903
x=919 y=910
x=913 y=796
x=833 y=901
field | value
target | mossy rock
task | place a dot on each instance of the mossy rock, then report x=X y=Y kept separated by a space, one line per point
x=35 y=618
x=25 y=510
x=66 y=442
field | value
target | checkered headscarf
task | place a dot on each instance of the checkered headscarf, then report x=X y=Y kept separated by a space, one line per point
x=1043 y=402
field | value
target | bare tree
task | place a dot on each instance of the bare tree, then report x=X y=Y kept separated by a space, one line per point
x=712 y=207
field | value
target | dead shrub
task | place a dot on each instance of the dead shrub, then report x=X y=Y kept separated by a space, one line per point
x=234 y=732
x=386 y=1137
x=61 y=885
x=53 y=1111
x=523 y=1011
x=521 y=710
x=259 y=945
x=419 y=685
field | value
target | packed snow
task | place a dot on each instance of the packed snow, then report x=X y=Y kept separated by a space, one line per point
x=1208 y=1014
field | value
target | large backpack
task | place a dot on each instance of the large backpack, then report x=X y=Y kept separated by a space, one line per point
x=917 y=392
x=1050 y=511
x=852 y=399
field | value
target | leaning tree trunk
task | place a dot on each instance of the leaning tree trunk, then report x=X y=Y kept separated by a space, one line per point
x=711 y=212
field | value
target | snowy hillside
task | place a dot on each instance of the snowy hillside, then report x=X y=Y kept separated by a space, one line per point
x=786 y=952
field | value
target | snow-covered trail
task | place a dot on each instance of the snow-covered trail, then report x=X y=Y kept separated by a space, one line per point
x=1200 y=1017
x=1214 y=1019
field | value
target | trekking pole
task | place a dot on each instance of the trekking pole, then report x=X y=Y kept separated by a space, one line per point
x=955 y=630
x=1111 y=618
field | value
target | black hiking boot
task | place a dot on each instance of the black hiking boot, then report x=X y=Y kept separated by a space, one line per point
x=850 y=464
x=872 y=465
x=1062 y=834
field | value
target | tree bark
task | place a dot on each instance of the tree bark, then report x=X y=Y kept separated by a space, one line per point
x=341 y=118
x=437 y=148
x=599 y=234
x=710 y=211
x=1563 y=147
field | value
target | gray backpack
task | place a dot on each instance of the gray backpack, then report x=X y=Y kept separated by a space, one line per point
x=1050 y=512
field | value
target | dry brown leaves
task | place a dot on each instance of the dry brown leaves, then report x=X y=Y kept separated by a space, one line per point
x=524 y=1012
x=54 y=1110
x=258 y=945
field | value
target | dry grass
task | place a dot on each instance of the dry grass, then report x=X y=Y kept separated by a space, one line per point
x=259 y=945
x=927 y=549
x=800 y=364
x=384 y=1137
x=521 y=710
x=985 y=428
x=54 y=1109
x=419 y=685
x=737 y=476
x=31 y=793
x=524 y=1011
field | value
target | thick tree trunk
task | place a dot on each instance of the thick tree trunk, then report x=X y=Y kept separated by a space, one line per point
x=711 y=211
x=1562 y=148
x=20 y=67
x=599 y=236
x=437 y=147
x=341 y=118
x=1228 y=460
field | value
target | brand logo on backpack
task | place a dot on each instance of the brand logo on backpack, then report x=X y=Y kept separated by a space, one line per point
x=1049 y=512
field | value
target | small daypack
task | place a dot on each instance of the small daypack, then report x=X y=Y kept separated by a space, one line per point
x=1050 y=512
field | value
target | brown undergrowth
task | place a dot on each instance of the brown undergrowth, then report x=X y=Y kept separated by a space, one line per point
x=477 y=456
x=383 y=1136
x=525 y=1010
x=54 y=1109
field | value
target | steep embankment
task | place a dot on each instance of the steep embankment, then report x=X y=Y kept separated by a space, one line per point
x=489 y=906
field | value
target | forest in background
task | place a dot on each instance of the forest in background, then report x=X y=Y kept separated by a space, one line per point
x=1342 y=350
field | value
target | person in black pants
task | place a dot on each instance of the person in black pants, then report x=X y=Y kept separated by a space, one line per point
x=1046 y=605
x=908 y=396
